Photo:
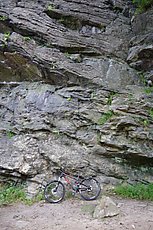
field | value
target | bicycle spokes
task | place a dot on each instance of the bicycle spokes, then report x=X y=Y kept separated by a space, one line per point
x=89 y=189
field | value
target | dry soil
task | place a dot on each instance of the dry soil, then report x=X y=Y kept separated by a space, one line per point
x=76 y=214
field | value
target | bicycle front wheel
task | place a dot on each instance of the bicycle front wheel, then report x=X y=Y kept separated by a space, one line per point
x=54 y=191
x=89 y=189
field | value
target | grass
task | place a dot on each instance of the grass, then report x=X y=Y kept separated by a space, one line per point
x=138 y=191
x=105 y=117
x=144 y=122
x=12 y=194
x=110 y=98
x=69 y=194
x=148 y=90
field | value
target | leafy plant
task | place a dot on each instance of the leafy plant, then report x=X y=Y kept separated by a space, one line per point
x=105 y=117
x=110 y=98
x=143 y=121
x=6 y=38
x=10 y=134
x=68 y=55
x=142 y=79
x=50 y=7
x=27 y=38
x=148 y=90
x=11 y=194
x=35 y=199
x=151 y=113
x=3 y=18
x=146 y=122
x=56 y=131
x=69 y=99
x=93 y=95
x=142 y=5
x=130 y=97
x=138 y=191
x=61 y=20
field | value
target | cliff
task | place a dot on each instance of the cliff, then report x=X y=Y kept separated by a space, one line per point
x=76 y=89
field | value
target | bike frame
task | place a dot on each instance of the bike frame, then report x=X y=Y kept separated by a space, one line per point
x=67 y=178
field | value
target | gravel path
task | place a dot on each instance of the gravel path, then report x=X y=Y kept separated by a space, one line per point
x=75 y=214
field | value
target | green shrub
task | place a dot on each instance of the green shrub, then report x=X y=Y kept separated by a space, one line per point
x=138 y=191
x=143 y=5
x=11 y=194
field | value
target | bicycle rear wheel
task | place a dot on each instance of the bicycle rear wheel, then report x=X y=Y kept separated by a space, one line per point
x=89 y=189
x=54 y=191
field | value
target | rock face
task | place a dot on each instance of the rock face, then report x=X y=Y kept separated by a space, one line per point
x=71 y=94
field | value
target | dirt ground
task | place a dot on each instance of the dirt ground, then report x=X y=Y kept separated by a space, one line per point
x=76 y=214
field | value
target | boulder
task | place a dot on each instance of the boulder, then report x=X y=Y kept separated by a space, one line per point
x=106 y=208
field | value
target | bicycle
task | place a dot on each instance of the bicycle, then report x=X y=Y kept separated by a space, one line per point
x=88 y=188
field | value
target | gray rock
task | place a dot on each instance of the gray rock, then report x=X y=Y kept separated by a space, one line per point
x=106 y=208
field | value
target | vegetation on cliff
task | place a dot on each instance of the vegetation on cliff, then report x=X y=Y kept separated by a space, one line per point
x=143 y=4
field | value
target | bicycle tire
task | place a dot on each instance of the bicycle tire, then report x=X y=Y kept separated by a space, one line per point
x=54 y=191
x=89 y=189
